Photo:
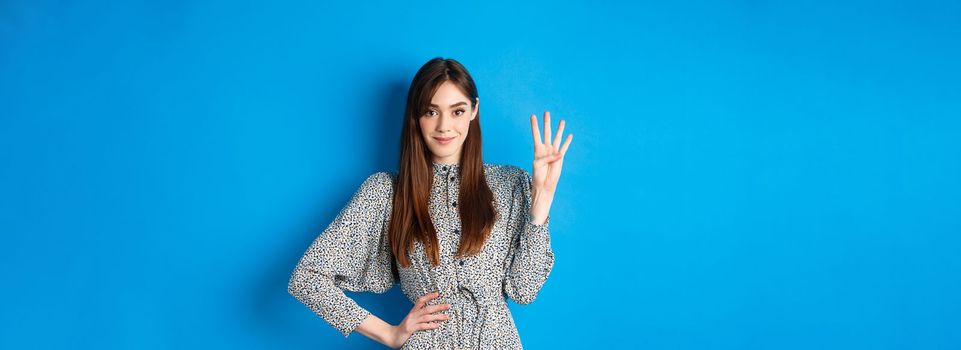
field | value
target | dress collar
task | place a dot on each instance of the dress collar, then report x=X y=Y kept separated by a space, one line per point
x=443 y=168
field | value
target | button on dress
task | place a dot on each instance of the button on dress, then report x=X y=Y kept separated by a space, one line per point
x=353 y=253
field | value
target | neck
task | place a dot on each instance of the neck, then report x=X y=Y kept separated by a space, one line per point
x=451 y=160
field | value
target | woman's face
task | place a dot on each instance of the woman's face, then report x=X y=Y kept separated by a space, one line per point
x=446 y=122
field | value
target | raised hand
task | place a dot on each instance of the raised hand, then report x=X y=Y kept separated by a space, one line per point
x=548 y=154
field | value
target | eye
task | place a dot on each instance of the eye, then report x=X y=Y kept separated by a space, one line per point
x=459 y=112
x=431 y=113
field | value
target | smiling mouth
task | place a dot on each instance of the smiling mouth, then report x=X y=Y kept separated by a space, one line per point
x=443 y=140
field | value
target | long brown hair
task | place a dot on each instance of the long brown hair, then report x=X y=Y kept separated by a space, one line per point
x=410 y=217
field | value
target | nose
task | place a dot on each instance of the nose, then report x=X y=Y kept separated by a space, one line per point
x=444 y=122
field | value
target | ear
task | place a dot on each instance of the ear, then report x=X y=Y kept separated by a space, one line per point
x=476 y=108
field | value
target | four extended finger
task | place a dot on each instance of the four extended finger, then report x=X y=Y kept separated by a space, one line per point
x=535 y=131
x=567 y=143
x=547 y=127
x=557 y=150
x=557 y=138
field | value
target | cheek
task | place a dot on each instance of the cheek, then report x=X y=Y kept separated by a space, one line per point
x=463 y=126
x=424 y=125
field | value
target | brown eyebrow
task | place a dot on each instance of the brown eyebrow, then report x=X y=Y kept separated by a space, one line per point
x=453 y=105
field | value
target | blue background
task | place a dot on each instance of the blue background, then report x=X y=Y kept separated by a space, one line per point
x=744 y=174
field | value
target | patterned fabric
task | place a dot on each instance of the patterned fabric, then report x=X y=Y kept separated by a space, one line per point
x=353 y=254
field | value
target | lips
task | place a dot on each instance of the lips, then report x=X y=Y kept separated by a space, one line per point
x=444 y=140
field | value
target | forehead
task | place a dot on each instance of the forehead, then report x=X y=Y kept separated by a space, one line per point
x=448 y=93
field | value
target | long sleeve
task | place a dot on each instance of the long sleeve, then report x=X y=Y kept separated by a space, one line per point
x=353 y=254
x=530 y=258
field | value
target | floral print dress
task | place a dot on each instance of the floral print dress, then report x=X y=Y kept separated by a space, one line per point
x=353 y=254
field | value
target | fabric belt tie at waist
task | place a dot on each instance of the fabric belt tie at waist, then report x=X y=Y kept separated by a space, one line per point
x=482 y=298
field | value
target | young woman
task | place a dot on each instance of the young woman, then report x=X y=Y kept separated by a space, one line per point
x=458 y=234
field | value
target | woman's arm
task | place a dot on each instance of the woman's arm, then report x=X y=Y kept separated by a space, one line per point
x=375 y=328
x=420 y=317
x=530 y=258
x=351 y=254
x=541 y=205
